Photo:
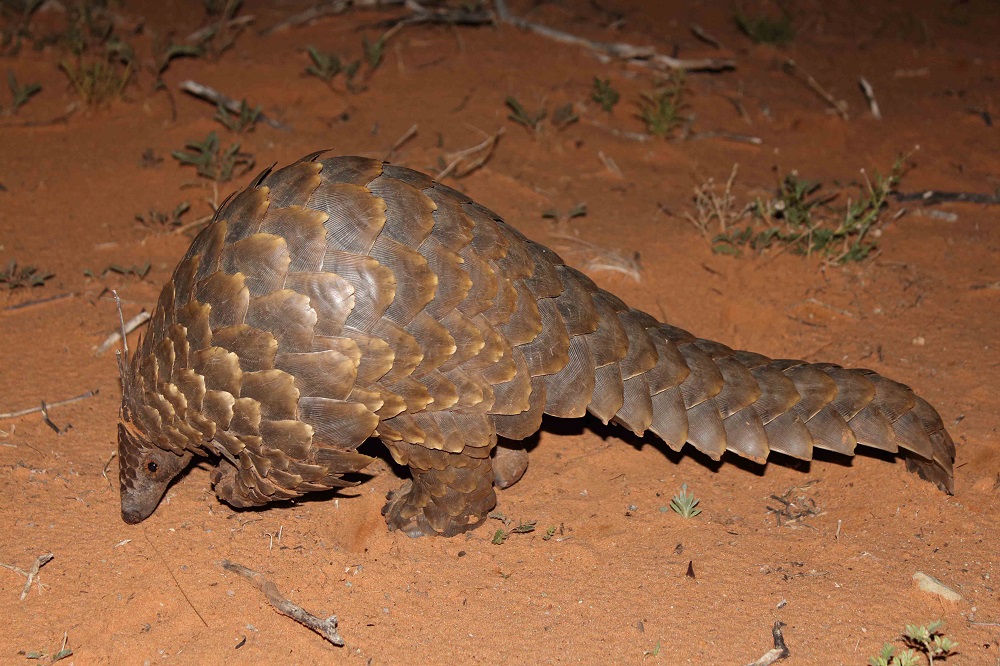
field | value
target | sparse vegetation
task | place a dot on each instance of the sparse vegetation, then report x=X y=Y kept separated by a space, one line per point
x=139 y=270
x=799 y=218
x=214 y=162
x=684 y=503
x=99 y=64
x=524 y=527
x=523 y=117
x=19 y=94
x=326 y=66
x=97 y=82
x=662 y=109
x=16 y=17
x=561 y=118
x=220 y=36
x=374 y=52
x=240 y=122
x=161 y=221
x=604 y=94
x=15 y=277
x=927 y=639
x=767 y=29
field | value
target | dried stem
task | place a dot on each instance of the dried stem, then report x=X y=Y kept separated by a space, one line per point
x=327 y=628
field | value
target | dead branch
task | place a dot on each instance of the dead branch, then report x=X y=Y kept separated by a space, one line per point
x=728 y=136
x=45 y=406
x=132 y=324
x=326 y=628
x=61 y=118
x=407 y=135
x=624 y=134
x=869 y=93
x=796 y=72
x=599 y=258
x=40 y=301
x=484 y=151
x=326 y=9
x=778 y=652
x=215 y=97
x=206 y=32
x=32 y=573
x=700 y=33
x=642 y=55
x=931 y=197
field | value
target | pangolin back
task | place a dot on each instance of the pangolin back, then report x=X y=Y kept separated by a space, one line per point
x=339 y=299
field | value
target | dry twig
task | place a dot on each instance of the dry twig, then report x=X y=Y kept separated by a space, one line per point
x=31 y=574
x=327 y=628
x=132 y=324
x=484 y=151
x=728 y=136
x=603 y=259
x=793 y=70
x=778 y=652
x=39 y=301
x=45 y=406
x=212 y=95
x=869 y=93
x=642 y=55
x=407 y=135
x=930 y=197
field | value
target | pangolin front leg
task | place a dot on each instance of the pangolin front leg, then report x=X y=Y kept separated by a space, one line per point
x=447 y=494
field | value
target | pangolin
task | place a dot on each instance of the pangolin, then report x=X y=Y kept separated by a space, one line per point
x=338 y=299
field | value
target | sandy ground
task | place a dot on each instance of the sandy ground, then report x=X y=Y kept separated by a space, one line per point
x=611 y=585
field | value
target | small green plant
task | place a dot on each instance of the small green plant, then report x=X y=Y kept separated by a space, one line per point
x=20 y=94
x=804 y=221
x=564 y=116
x=549 y=533
x=662 y=109
x=25 y=276
x=326 y=67
x=214 y=162
x=16 y=19
x=927 y=639
x=241 y=121
x=502 y=533
x=164 y=221
x=374 y=52
x=604 y=94
x=521 y=116
x=685 y=504
x=767 y=29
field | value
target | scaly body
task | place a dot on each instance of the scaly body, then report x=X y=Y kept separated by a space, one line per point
x=340 y=299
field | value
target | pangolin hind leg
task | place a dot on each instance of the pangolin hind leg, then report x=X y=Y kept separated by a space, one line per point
x=448 y=493
x=509 y=466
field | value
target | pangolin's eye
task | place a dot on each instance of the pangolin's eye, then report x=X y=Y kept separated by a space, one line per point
x=151 y=466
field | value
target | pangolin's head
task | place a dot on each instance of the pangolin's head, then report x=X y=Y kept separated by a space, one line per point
x=144 y=470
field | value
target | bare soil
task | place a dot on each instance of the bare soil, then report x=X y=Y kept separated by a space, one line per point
x=611 y=585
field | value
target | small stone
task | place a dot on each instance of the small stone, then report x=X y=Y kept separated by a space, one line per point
x=919 y=341
x=934 y=586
